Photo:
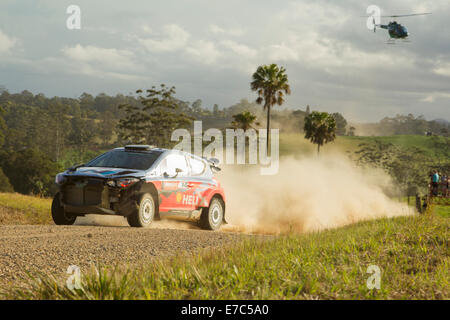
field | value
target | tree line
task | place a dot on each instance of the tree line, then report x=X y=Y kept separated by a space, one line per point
x=406 y=124
x=40 y=136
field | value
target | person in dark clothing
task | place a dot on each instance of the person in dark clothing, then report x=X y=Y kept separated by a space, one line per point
x=435 y=182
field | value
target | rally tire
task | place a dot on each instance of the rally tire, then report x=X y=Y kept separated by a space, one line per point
x=144 y=214
x=59 y=215
x=212 y=217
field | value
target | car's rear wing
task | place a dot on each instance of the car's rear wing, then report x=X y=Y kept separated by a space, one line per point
x=214 y=164
x=139 y=147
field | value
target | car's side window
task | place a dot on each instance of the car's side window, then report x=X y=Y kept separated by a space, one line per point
x=159 y=170
x=197 y=166
x=172 y=162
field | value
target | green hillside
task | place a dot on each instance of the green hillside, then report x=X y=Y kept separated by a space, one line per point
x=296 y=144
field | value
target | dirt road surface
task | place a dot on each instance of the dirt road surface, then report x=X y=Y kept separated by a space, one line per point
x=52 y=249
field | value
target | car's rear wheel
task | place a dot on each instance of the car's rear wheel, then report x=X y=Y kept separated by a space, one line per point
x=59 y=215
x=212 y=217
x=145 y=213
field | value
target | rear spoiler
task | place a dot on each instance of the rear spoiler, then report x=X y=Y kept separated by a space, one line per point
x=139 y=147
x=214 y=164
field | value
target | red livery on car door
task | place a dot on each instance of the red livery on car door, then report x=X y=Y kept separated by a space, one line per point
x=174 y=185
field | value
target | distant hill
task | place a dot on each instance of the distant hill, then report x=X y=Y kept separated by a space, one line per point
x=442 y=121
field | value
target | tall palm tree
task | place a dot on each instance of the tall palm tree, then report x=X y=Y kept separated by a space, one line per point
x=244 y=120
x=271 y=84
x=320 y=128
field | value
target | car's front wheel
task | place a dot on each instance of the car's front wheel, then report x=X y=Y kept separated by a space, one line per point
x=59 y=215
x=145 y=212
x=212 y=217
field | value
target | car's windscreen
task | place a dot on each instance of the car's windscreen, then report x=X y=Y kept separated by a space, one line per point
x=125 y=159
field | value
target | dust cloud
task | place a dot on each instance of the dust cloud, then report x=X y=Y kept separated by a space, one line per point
x=119 y=221
x=306 y=195
x=101 y=220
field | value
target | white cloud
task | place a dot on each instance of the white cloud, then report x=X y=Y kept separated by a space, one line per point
x=429 y=5
x=236 y=32
x=282 y=52
x=429 y=99
x=320 y=52
x=111 y=58
x=100 y=62
x=6 y=42
x=442 y=68
x=203 y=51
x=92 y=71
x=303 y=15
x=146 y=28
x=172 y=38
x=239 y=49
x=435 y=96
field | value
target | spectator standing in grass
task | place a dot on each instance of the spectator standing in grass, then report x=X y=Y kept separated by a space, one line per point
x=435 y=182
x=444 y=184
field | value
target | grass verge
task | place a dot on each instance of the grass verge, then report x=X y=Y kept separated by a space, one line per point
x=17 y=208
x=443 y=211
x=412 y=253
x=440 y=210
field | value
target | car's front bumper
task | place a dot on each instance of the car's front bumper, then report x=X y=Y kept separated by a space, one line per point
x=87 y=195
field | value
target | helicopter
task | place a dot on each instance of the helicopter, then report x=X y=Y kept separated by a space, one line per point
x=396 y=30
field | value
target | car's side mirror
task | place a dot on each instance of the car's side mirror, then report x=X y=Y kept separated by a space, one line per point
x=75 y=167
x=214 y=161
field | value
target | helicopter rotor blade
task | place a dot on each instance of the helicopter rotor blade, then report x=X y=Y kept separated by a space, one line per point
x=406 y=15
x=400 y=15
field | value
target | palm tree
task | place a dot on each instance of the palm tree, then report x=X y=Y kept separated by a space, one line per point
x=320 y=128
x=271 y=83
x=244 y=120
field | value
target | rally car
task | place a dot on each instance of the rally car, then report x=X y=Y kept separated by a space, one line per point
x=141 y=183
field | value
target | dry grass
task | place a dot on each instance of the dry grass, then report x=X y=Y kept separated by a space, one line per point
x=17 y=208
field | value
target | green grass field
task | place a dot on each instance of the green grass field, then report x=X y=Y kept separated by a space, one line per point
x=296 y=144
x=443 y=211
x=411 y=252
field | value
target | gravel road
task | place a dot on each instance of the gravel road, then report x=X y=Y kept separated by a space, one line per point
x=51 y=248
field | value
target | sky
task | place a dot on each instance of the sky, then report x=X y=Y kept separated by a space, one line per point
x=209 y=50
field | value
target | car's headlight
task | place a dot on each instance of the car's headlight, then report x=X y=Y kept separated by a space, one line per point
x=122 y=183
x=60 y=178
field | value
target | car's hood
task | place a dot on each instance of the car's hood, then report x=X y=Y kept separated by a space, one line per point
x=107 y=173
